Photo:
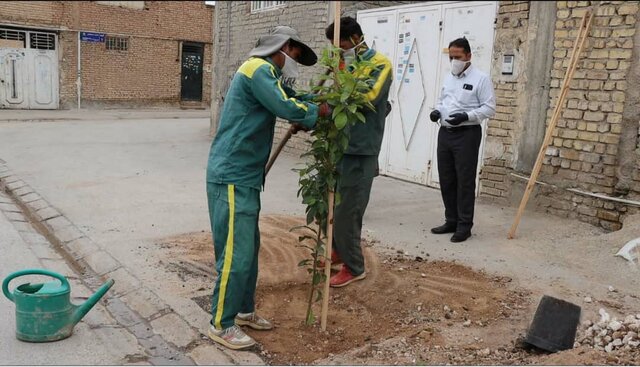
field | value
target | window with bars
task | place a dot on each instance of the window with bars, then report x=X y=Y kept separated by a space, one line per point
x=12 y=38
x=42 y=41
x=117 y=43
x=257 y=6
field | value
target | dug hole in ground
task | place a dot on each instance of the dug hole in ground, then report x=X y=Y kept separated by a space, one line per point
x=409 y=309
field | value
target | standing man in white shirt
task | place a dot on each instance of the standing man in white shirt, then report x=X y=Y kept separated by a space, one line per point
x=467 y=98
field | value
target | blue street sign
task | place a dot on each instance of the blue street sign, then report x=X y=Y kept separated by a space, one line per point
x=91 y=37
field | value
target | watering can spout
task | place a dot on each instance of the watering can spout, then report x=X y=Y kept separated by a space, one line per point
x=82 y=310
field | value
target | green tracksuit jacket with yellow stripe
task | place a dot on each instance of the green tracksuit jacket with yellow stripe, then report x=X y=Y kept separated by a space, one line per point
x=243 y=142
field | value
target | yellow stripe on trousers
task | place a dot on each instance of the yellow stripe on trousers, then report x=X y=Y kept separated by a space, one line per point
x=228 y=256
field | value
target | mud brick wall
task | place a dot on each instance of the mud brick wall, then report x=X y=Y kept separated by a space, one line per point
x=501 y=133
x=147 y=74
x=599 y=118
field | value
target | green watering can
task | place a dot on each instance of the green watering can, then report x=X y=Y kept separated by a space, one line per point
x=44 y=312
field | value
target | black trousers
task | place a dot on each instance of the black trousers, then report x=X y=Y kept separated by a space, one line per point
x=457 y=166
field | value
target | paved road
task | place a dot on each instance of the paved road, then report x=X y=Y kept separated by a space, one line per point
x=128 y=183
x=86 y=347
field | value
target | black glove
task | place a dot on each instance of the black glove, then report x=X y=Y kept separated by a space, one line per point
x=435 y=115
x=388 y=109
x=457 y=118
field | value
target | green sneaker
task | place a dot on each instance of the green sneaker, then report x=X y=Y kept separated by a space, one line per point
x=232 y=337
x=253 y=321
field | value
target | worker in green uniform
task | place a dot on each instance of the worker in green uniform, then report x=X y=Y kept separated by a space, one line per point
x=359 y=165
x=236 y=172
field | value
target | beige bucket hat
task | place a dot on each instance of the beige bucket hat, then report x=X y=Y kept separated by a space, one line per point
x=272 y=42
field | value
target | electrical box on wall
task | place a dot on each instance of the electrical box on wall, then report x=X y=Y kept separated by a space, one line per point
x=507 y=64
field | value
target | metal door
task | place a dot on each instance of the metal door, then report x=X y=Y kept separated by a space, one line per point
x=415 y=73
x=28 y=70
x=475 y=21
x=379 y=29
x=13 y=78
x=192 y=60
x=421 y=37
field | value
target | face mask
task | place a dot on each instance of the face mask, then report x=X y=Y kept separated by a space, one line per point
x=289 y=71
x=350 y=55
x=457 y=66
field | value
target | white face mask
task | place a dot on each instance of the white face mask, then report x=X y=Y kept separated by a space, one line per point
x=289 y=71
x=457 y=66
x=350 y=55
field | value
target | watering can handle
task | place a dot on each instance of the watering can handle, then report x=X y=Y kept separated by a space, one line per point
x=5 y=283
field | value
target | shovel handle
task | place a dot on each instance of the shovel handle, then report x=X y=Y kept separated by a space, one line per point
x=5 y=283
x=283 y=142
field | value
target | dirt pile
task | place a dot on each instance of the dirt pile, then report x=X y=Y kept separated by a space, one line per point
x=407 y=310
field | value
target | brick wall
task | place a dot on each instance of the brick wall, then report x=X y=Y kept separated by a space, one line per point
x=43 y=13
x=584 y=154
x=148 y=73
x=500 y=151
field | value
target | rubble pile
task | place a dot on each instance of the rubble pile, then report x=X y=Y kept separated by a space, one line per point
x=611 y=334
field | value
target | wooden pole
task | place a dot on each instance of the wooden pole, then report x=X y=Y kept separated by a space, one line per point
x=327 y=249
x=583 y=33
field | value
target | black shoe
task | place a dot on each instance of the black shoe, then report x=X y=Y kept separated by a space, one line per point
x=445 y=228
x=460 y=236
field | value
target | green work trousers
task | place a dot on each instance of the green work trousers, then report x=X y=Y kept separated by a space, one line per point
x=233 y=211
x=354 y=186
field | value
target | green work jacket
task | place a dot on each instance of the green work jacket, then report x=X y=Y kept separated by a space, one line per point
x=366 y=138
x=244 y=138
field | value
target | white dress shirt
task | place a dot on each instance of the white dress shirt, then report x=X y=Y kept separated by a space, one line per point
x=471 y=92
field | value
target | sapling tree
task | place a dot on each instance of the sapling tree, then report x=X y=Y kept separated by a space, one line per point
x=345 y=91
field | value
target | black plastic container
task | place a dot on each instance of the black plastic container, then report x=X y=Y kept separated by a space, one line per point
x=554 y=325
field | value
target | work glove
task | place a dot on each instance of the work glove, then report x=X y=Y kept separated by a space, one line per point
x=457 y=118
x=435 y=115
x=325 y=110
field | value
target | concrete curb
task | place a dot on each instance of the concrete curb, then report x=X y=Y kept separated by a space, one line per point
x=102 y=115
x=144 y=314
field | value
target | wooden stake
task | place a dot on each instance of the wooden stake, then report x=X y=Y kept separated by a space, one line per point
x=585 y=26
x=329 y=244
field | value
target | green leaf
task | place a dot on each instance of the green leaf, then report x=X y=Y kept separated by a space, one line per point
x=304 y=262
x=317 y=278
x=341 y=121
x=311 y=216
x=336 y=111
x=360 y=117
